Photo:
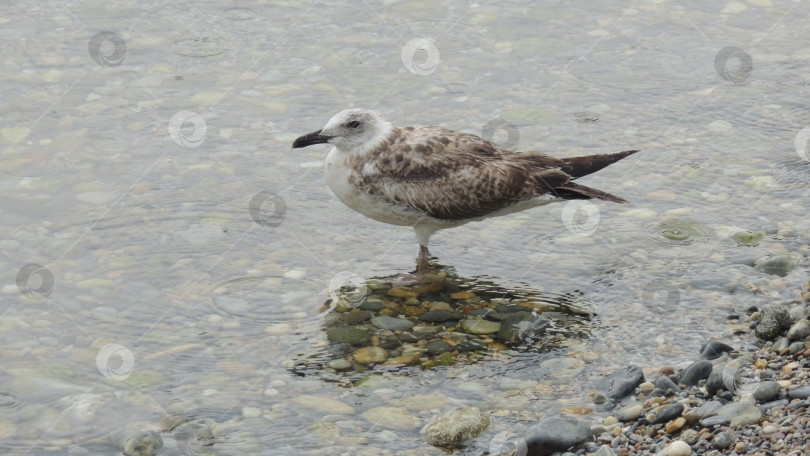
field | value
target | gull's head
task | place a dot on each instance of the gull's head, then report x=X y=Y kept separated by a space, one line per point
x=349 y=130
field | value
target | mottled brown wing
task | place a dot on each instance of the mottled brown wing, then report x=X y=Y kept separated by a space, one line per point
x=455 y=176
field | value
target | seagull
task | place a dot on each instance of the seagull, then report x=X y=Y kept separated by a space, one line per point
x=431 y=178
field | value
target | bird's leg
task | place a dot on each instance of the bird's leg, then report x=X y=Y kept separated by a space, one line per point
x=422 y=262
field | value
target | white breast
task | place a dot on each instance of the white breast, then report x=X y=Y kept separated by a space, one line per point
x=338 y=173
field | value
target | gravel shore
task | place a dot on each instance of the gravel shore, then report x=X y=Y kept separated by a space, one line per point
x=727 y=402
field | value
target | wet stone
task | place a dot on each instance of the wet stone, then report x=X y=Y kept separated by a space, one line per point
x=802 y=392
x=773 y=405
x=445 y=359
x=424 y=332
x=740 y=413
x=412 y=338
x=715 y=382
x=440 y=305
x=509 y=308
x=485 y=312
x=370 y=355
x=401 y=293
x=767 y=391
x=556 y=434
x=666 y=385
x=480 y=326
x=690 y=436
x=780 y=344
x=670 y=412
x=390 y=342
x=440 y=316
x=428 y=288
x=676 y=448
x=521 y=326
x=622 y=382
x=797 y=313
x=699 y=370
x=715 y=421
x=675 y=425
x=461 y=295
x=356 y=317
x=453 y=428
x=411 y=302
x=605 y=450
x=391 y=418
x=340 y=364
x=723 y=440
x=707 y=409
x=437 y=347
x=373 y=306
x=714 y=349
x=780 y=265
x=392 y=323
x=352 y=336
x=796 y=347
x=773 y=321
x=470 y=345
x=629 y=412
x=800 y=330
x=146 y=443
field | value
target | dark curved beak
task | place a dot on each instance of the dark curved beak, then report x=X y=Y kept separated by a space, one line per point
x=312 y=138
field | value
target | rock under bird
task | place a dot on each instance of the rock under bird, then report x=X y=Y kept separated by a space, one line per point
x=432 y=178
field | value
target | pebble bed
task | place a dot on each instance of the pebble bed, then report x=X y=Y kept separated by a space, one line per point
x=443 y=321
x=727 y=402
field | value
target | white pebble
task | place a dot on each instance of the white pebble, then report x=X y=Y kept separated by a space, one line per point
x=251 y=412
x=676 y=448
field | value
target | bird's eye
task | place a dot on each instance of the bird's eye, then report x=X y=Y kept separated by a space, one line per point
x=354 y=124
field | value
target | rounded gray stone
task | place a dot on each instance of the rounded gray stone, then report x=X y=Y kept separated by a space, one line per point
x=695 y=372
x=146 y=443
x=740 y=413
x=723 y=440
x=451 y=429
x=556 y=434
x=437 y=347
x=772 y=322
x=767 y=391
x=669 y=413
x=473 y=326
x=802 y=392
x=348 y=335
x=392 y=323
x=622 y=382
x=629 y=412
x=780 y=265
x=800 y=330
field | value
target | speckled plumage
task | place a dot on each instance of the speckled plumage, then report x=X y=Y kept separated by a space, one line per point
x=432 y=178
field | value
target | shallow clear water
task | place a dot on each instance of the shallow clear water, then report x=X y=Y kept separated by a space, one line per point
x=184 y=250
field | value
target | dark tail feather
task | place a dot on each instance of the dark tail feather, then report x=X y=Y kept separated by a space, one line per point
x=582 y=166
x=575 y=191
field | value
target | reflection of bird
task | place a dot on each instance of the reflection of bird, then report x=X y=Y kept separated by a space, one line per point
x=432 y=178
